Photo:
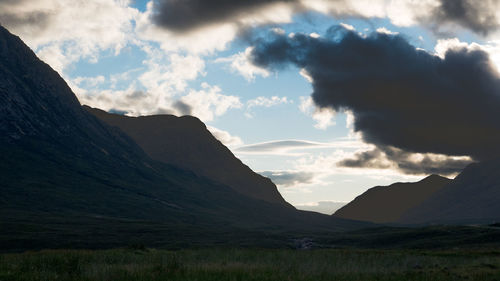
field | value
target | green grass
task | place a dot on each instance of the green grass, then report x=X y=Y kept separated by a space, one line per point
x=252 y=264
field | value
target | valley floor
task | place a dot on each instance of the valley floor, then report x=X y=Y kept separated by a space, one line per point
x=252 y=264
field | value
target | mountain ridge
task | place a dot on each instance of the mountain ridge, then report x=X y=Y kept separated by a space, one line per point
x=186 y=142
x=386 y=204
x=472 y=197
x=70 y=179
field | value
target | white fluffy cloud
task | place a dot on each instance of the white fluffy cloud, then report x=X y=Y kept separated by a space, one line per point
x=66 y=31
x=264 y=102
x=241 y=64
x=225 y=137
x=156 y=88
x=160 y=88
x=491 y=47
x=324 y=117
x=210 y=102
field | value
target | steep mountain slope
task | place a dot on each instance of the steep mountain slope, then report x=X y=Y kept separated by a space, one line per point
x=472 y=197
x=69 y=179
x=386 y=204
x=186 y=142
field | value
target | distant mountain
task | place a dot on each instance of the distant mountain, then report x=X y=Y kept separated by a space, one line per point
x=185 y=142
x=386 y=204
x=68 y=179
x=472 y=197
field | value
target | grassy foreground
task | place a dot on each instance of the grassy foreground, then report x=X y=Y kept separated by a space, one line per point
x=252 y=264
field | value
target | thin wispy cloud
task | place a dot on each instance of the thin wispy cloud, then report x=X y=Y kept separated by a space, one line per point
x=288 y=147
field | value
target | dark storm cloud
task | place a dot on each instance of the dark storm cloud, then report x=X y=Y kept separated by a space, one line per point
x=386 y=157
x=185 y=15
x=367 y=159
x=400 y=96
x=478 y=16
x=289 y=178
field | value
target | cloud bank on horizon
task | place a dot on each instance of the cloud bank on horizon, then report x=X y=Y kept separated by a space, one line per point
x=411 y=106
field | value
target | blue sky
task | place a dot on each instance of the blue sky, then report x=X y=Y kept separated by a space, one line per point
x=123 y=61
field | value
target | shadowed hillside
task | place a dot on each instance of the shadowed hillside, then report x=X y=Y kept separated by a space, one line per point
x=70 y=180
x=386 y=204
x=472 y=197
x=185 y=142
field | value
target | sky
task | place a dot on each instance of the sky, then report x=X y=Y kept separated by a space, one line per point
x=326 y=97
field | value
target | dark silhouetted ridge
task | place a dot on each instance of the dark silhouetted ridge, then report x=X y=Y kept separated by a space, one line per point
x=472 y=197
x=386 y=204
x=185 y=142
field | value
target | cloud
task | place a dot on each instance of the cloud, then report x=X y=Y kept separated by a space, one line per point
x=182 y=108
x=201 y=41
x=326 y=167
x=400 y=96
x=161 y=88
x=240 y=63
x=408 y=163
x=287 y=146
x=367 y=159
x=203 y=27
x=225 y=137
x=169 y=74
x=264 y=102
x=325 y=207
x=90 y=81
x=184 y=16
x=324 y=117
x=157 y=89
x=481 y=17
x=490 y=47
x=440 y=16
x=289 y=178
x=209 y=102
x=66 y=31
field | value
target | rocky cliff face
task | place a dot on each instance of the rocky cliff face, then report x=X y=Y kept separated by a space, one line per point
x=185 y=142
x=37 y=105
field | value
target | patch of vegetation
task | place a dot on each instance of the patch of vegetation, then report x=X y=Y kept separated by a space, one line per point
x=251 y=264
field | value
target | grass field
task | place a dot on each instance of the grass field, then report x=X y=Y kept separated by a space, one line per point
x=252 y=264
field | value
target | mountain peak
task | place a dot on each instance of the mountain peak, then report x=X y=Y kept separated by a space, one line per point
x=434 y=177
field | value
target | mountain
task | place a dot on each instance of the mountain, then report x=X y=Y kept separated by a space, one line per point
x=472 y=197
x=185 y=142
x=386 y=204
x=70 y=180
